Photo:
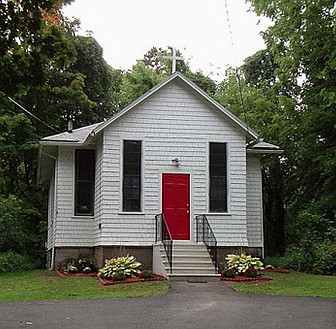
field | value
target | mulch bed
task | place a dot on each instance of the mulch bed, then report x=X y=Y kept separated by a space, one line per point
x=106 y=282
x=276 y=270
x=241 y=278
x=61 y=273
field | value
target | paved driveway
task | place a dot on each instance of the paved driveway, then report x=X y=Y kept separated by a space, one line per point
x=187 y=305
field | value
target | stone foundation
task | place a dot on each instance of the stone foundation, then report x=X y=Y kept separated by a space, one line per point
x=99 y=254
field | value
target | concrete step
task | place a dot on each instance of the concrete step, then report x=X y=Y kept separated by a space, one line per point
x=190 y=262
x=191 y=277
x=197 y=271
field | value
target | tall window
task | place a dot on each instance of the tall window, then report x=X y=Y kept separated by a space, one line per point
x=218 y=177
x=84 y=182
x=132 y=176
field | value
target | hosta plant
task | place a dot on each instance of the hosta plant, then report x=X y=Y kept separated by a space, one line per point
x=80 y=265
x=242 y=263
x=127 y=265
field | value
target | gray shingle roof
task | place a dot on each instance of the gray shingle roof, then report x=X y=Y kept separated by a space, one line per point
x=77 y=136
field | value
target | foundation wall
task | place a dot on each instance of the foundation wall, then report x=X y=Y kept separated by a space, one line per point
x=99 y=254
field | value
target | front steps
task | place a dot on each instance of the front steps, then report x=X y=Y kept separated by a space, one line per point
x=191 y=262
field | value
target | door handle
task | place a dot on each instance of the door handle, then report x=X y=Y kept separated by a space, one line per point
x=188 y=211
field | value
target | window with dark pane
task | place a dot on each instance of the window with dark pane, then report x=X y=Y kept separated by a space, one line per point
x=218 y=177
x=132 y=176
x=84 y=182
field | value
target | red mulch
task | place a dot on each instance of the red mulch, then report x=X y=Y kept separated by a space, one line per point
x=61 y=273
x=276 y=270
x=105 y=282
x=241 y=278
x=131 y=280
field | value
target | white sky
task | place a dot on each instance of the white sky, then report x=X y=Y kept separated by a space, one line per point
x=127 y=29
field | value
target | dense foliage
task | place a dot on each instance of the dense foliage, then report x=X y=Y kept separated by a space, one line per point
x=305 y=72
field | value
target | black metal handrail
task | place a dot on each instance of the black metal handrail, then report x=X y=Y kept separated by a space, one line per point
x=205 y=234
x=163 y=235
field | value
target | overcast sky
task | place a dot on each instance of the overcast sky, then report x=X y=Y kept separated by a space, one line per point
x=127 y=29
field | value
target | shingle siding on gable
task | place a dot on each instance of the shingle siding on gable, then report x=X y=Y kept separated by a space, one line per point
x=172 y=123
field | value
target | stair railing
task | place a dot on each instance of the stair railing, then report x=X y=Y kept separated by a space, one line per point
x=205 y=234
x=163 y=235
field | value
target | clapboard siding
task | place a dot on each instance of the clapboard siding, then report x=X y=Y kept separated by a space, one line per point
x=98 y=193
x=254 y=202
x=172 y=123
x=70 y=230
x=51 y=212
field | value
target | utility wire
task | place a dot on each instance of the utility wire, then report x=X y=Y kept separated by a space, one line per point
x=226 y=7
x=32 y=115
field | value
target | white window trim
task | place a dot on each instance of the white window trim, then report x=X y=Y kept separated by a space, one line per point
x=228 y=177
x=133 y=137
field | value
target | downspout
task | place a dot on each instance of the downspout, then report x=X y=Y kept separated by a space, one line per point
x=52 y=263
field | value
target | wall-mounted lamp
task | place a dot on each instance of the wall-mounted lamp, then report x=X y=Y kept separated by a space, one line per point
x=176 y=162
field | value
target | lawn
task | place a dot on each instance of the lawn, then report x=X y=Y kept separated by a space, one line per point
x=42 y=285
x=293 y=284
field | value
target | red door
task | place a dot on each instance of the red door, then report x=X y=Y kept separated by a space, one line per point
x=176 y=204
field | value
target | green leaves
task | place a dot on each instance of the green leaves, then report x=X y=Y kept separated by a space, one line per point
x=241 y=263
x=126 y=266
x=300 y=42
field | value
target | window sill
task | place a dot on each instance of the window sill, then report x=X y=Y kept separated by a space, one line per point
x=83 y=216
x=218 y=214
x=131 y=213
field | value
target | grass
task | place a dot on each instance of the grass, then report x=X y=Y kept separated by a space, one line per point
x=293 y=284
x=43 y=285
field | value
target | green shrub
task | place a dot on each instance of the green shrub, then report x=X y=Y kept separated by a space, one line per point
x=119 y=276
x=252 y=272
x=276 y=262
x=11 y=262
x=325 y=258
x=229 y=273
x=127 y=265
x=147 y=274
x=313 y=257
x=80 y=265
x=240 y=263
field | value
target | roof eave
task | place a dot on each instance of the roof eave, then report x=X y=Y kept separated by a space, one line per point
x=264 y=151
x=60 y=143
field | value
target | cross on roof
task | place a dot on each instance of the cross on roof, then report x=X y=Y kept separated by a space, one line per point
x=174 y=59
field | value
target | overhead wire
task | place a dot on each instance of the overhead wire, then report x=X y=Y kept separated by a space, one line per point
x=233 y=48
x=32 y=115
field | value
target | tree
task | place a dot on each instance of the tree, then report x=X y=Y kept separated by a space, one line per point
x=56 y=75
x=97 y=79
x=267 y=113
x=300 y=40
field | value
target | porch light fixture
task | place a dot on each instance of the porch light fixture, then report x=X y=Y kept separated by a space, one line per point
x=176 y=162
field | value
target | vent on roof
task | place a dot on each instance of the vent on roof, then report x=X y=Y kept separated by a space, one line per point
x=70 y=125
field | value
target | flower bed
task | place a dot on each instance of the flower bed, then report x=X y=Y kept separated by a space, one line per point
x=276 y=270
x=62 y=274
x=131 y=280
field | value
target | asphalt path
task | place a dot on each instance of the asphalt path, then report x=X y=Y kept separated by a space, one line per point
x=186 y=305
